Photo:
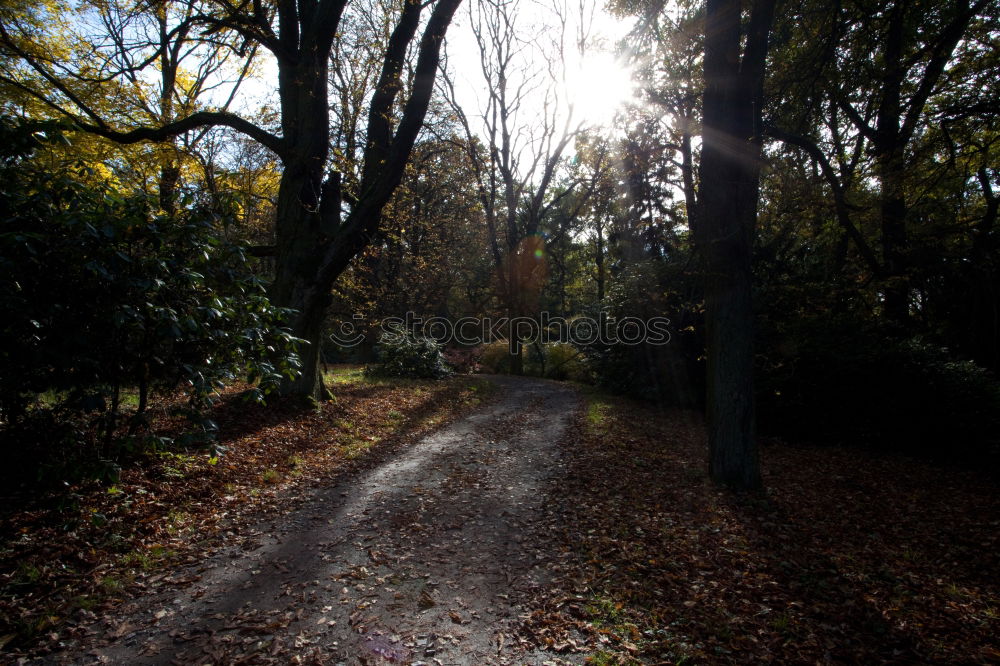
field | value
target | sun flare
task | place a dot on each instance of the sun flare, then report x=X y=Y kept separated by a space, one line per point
x=599 y=87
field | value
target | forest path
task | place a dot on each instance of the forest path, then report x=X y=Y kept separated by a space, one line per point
x=418 y=560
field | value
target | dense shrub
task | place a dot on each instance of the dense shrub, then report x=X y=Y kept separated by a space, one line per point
x=495 y=358
x=564 y=361
x=400 y=353
x=670 y=373
x=105 y=294
x=828 y=378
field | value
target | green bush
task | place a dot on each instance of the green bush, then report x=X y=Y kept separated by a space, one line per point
x=403 y=354
x=554 y=360
x=495 y=358
x=107 y=298
x=669 y=374
x=564 y=361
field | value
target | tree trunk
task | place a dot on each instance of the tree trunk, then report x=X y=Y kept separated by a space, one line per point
x=296 y=265
x=517 y=359
x=170 y=175
x=729 y=186
x=896 y=291
x=315 y=242
x=890 y=165
x=599 y=260
x=298 y=239
x=299 y=233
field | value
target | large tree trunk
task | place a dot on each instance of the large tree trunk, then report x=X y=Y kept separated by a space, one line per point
x=170 y=175
x=315 y=242
x=299 y=238
x=896 y=291
x=729 y=179
x=296 y=267
x=299 y=233
x=891 y=167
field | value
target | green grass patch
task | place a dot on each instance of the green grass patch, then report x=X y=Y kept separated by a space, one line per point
x=112 y=584
x=27 y=574
x=344 y=374
x=598 y=410
x=147 y=559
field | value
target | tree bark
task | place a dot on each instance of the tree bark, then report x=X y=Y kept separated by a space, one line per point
x=299 y=233
x=727 y=198
x=315 y=242
x=890 y=164
x=599 y=260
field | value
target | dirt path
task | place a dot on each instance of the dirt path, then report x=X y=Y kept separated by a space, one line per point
x=418 y=560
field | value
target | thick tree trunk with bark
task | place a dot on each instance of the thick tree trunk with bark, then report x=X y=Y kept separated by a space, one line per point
x=891 y=164
x=299 y=233
x=729 y=180
x=299 y=240
x=315 y=241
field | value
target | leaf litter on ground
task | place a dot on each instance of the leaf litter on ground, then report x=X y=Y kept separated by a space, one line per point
x=66 y=560
x=850 y=556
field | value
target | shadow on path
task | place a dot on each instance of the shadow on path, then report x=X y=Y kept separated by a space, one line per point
x=416 y=560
